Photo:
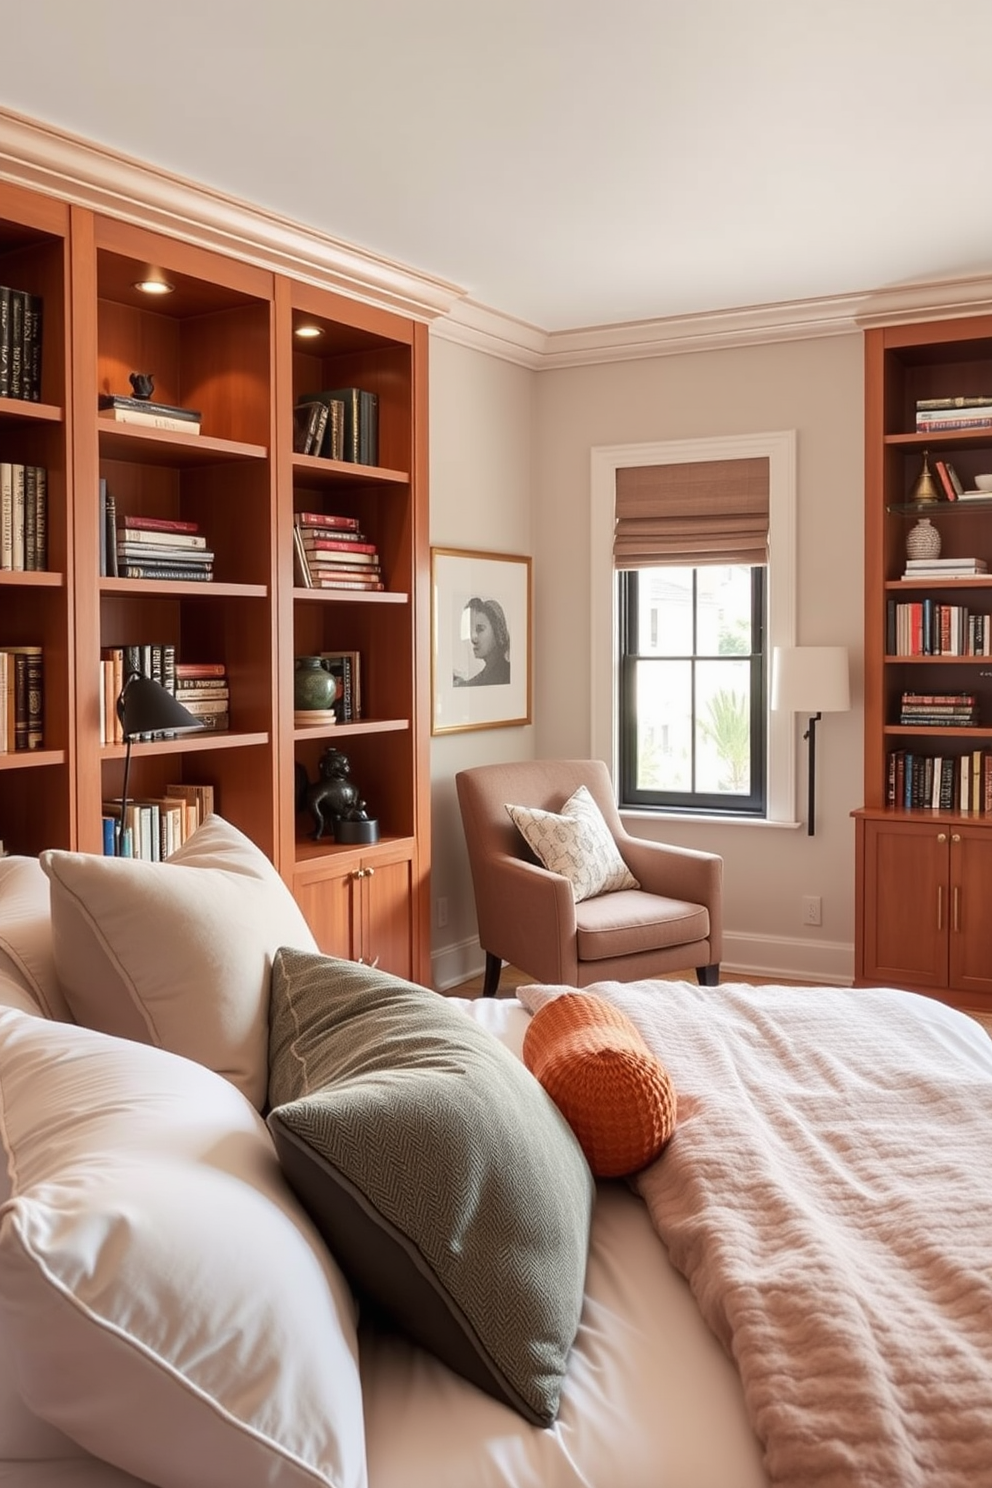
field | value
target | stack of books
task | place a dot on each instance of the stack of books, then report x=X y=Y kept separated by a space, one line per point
x=119 y=408
x=944 y=568
x=318 y=427
x=332 y=552
x=23 y=517
x=939 y=709
x=138 y=547
x=22 y=694
x=20 y=344
x=202 y=688
x=950 y=415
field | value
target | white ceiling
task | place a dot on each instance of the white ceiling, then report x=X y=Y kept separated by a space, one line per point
x=566 y=163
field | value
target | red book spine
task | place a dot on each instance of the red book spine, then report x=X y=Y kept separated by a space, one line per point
x=159 y=524
x=331 y=544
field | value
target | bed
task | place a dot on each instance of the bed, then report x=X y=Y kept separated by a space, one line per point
x=798 y=1290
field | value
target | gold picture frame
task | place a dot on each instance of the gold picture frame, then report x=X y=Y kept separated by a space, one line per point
x=481 y=640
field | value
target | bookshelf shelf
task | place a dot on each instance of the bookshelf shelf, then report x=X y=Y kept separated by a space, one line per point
x=188 y=744
x=32 y=759
x=922 y=869
x=13 y=410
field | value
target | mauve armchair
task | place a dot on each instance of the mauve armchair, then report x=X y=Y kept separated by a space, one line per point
x=527 y=916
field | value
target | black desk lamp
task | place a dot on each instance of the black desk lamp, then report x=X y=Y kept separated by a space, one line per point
x=146 y=707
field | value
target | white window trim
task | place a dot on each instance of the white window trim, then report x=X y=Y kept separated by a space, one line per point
x=780 y=450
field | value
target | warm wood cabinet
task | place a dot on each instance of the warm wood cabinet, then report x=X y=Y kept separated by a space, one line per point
x=225 y=342
x=923 y=872
x=927 y=922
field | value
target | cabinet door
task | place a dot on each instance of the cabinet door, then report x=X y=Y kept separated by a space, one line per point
x=907 y=909
x=331 y=907
x=970 y=920
x=387 y=893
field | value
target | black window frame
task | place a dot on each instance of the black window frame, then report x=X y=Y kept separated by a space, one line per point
x=702 y=803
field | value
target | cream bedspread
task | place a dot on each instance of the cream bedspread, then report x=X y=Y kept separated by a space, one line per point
x=828 y=1195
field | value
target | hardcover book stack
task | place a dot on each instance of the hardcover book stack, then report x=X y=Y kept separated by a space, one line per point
x=138 y=547
x=950 y=415
x=23 y=517
x=940 y=782
x=22 y=699
x=20 y=344
x=119 y=408
x=939 y=709
x=349 y=432
x=203 y=689
x=332 y=552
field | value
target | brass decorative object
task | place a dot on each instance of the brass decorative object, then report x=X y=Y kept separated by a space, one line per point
x=925 y=492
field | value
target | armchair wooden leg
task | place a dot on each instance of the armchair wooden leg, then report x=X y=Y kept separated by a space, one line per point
x=494 y=965
x=708 y=976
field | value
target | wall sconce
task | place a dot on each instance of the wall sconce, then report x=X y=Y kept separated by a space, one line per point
x=814 y=680
x=146 y=707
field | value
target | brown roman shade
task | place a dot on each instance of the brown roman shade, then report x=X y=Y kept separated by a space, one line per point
x=705 y=511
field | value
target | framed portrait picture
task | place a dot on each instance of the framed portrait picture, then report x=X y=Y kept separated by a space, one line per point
x=480 y=640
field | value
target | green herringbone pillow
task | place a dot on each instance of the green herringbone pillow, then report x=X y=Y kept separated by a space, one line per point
x=445 y=1181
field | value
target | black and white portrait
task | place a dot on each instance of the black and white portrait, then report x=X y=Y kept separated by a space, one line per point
x=480 y=613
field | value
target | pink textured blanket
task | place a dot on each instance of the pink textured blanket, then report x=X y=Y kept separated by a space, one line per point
x=828 y=1195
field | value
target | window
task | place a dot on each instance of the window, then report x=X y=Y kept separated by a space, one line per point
x=772 y=733
x=692 y=678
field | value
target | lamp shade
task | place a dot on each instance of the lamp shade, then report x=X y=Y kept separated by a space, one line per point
x=146 y=707
x=810 y=679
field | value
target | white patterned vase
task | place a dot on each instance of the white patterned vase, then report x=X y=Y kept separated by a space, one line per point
x=923 y=540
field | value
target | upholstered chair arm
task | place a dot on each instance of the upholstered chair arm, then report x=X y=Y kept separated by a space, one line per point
x=678 y=873
x=527 y=917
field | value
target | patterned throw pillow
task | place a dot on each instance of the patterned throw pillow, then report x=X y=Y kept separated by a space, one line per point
x=444 y=1180
x=577 y=844
x=614 y=1093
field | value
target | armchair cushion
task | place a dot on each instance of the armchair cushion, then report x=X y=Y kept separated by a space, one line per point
x=577 y=844
x=631 y=922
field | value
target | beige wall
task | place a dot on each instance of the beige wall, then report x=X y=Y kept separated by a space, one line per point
x=510 y=470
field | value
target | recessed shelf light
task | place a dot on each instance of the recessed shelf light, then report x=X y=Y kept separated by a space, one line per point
x=154 y=286
x=308 y=332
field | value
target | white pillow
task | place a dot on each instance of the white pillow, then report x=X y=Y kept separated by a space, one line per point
x=577 y=844
x=26 y=951
x=166 y=1302
x=177 y=954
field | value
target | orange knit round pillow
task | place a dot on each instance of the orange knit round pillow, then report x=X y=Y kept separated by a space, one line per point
x=615 y=1095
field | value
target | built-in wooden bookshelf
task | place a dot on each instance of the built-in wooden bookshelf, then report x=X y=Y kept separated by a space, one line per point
x=922 y=872
x=221 y=341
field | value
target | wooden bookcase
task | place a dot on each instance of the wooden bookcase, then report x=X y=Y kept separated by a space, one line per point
x=223 y=341
x=922 y=872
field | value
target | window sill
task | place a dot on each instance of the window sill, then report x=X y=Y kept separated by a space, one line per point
x=629 y=816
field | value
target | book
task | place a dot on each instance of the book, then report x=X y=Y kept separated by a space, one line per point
x=159 y=570
x=934 y=424
x=31 y=376
x=41 y=518
x=127 y=403
x=966 y=401
x=4 y=341
x=301 y=568
x=16 y=343
x=940 y=563
x=17 y=536
x=944 y=476
x=187 y=669
x=6 y=515
x=110 y=519
x=309 y=424
x=158 y=537
x=146 y=552
x=326 y=519
x=150 y=420
x=204 y=705
x=337 y=583
x=349 y=548
x=159 y=524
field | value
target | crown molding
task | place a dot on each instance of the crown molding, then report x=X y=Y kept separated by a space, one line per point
x=63 y=165
x=486 y=330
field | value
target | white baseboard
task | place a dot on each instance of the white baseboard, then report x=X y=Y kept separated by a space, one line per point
x=795 y=959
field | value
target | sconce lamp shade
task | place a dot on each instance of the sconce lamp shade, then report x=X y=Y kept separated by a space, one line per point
x=146 y=707
x=810 y=679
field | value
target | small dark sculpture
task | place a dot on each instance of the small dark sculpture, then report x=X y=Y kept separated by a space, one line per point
x=334 y=798
x=143 y=384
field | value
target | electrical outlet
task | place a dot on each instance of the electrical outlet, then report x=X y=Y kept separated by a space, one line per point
x=812 y=909
x=442 y=913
